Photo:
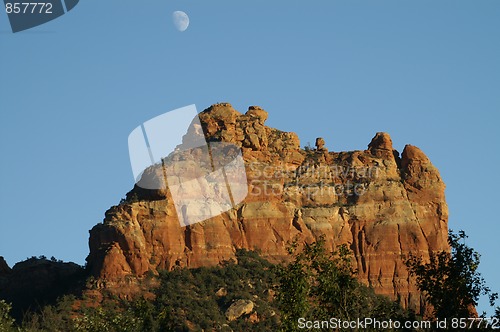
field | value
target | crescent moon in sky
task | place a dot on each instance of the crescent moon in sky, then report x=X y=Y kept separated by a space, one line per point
x=181 y=20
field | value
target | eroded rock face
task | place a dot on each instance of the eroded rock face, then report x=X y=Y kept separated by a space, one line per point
x=381 y=141
x=381 y=205
x=320 y=144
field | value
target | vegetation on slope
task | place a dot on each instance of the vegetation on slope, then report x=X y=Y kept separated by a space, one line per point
x=315 y=286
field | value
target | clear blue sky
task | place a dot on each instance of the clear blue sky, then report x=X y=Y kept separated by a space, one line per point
x=426 y=71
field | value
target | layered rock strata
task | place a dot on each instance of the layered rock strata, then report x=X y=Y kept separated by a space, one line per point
x=381 y=205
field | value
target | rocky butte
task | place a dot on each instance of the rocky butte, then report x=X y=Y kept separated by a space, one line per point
x=383 y=205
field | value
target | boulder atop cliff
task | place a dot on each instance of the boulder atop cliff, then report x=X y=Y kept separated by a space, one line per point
x=381 y=141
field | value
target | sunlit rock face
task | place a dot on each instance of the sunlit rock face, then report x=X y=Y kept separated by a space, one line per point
x=381 y=205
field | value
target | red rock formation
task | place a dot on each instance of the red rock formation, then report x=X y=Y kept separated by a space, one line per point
x=381 y=205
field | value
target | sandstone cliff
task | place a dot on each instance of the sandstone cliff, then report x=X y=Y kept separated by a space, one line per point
x=380 y=204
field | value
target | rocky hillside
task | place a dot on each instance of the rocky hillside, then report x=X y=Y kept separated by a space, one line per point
x=35 y=282
x=381 y=204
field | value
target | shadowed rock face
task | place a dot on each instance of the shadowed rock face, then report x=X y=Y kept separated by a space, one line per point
x=35 y=282
x=4 y=268
x=381 y=205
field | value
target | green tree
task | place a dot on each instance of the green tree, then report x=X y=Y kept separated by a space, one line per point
x=318 y=285
x=108 y=320
x=450 y=281
x=6 y=321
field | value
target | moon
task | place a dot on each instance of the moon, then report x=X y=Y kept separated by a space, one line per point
x=181 y=20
